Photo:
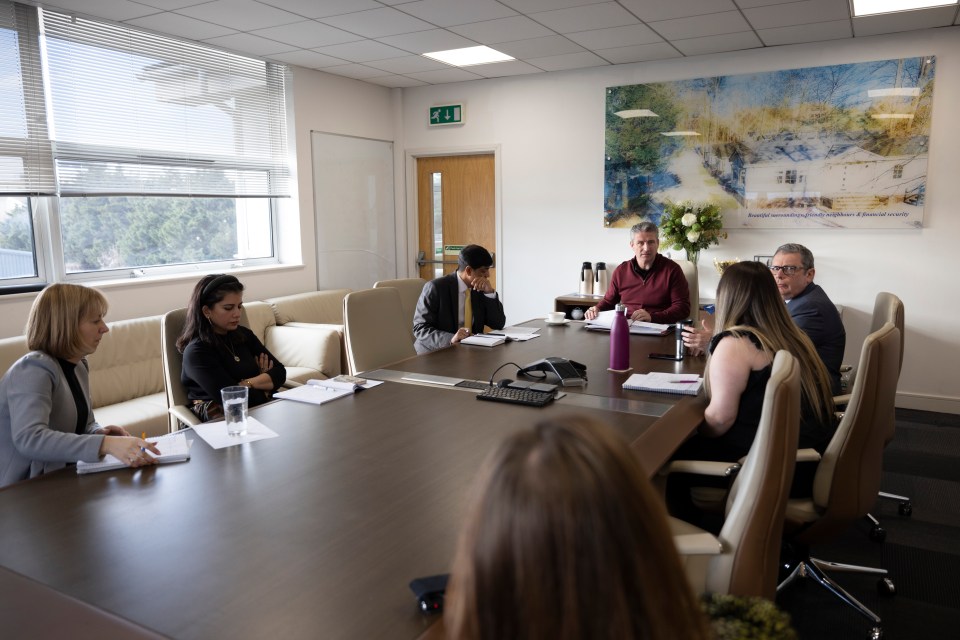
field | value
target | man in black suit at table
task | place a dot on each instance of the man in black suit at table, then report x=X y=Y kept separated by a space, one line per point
x=442 y=318
x=809 y=306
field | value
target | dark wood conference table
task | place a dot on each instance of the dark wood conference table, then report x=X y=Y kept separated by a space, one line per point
x=315 y=533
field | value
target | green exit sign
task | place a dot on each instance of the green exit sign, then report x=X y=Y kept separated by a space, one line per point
x=446 y=114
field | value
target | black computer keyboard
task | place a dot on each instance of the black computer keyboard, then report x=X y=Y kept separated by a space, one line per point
x=516 y=396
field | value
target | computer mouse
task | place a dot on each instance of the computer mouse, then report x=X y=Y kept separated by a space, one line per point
x=504 y=383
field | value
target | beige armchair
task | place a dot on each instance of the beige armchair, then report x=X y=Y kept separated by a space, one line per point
x=848 y=477
x=410 y=290
x=743 y=559
x=171 y=326
x=375 y=329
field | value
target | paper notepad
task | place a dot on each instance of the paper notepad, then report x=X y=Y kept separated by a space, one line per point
x=484 y=340
x=173 y=448
x=684 y=384
x=604 y=322
x=322 y=391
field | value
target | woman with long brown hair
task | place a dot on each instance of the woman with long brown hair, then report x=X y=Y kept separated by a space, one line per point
x=751 y=325
x=566 y=540
x=218 y=352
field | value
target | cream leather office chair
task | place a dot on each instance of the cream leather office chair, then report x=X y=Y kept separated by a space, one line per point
x=693 y=284
x=376 y=330
x=177 y=403
x=410 y=290
x=848 y=476
x=744 y=559
x=886 y=308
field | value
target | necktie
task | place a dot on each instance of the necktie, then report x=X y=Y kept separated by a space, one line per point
x=467 y=311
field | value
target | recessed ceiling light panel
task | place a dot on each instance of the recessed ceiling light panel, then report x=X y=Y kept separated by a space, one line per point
x=873 y=7
x=469 y=56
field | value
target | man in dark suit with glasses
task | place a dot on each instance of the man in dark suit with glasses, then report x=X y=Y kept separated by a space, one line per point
x=809 y=306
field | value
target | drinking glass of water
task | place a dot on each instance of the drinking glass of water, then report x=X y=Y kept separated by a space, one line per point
x=235 y=409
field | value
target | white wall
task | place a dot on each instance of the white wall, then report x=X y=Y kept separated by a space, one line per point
x=321 y=102
x=550 y=128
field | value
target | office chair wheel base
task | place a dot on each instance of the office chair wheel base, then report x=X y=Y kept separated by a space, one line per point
x=878 y=534
x=905 y=509
x=875 y=634
x=885 y=587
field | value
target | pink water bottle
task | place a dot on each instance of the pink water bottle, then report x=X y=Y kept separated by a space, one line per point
x=620 y=340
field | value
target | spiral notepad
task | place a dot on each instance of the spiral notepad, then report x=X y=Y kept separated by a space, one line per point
x=173 y=448
x=677 y=383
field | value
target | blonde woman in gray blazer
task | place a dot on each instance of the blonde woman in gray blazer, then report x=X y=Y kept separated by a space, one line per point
x=46 y=416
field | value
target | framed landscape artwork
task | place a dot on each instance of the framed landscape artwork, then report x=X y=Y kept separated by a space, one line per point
x=841 y=146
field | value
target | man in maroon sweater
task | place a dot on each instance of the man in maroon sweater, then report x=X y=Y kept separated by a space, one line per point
x=653 y=287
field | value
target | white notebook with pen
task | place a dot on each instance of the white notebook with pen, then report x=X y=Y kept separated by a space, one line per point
x=173 y=448
x=680 y=383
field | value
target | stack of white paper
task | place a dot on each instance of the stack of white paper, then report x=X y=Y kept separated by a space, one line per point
x=173 y=448
x=604 y=321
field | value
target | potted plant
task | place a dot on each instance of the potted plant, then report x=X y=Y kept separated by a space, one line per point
x=691 y=226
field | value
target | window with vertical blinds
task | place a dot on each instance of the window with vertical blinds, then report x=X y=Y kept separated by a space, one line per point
x=139 y=113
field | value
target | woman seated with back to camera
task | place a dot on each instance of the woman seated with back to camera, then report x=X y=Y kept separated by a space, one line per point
x=751 y=325
x=218 y=352
x=565 y=539
x=46 y=416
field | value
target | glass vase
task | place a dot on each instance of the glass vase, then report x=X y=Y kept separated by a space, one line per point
x=693 y=255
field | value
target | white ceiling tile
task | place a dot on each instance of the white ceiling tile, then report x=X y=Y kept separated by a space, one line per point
x=903 y=21
x=532 y=6
x=653 y=11
x=116 y=10
x=504 y=69
x=615 y=37
x=441 y=76
x=309 y=59
x=170 y=5
x=446 y=13
x=502 y=30
x=252 y=45
x=750 y=4
x=307 y=34
x=362 y=51
x=539 y=47
x=377 y=23
x=180 y=26
x=585 y=18
x=407 y=64
x=567 y=61
x=396 y=81
x=700 y=26
x=796 y=13
x=319 y=8
x=833 y=30
x=718 y=44
x=424 y=41
x=639 y=53
x=357 y=71
x=242 y=15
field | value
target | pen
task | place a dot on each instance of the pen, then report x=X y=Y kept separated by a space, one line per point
x=683 y=381
x=143 y=436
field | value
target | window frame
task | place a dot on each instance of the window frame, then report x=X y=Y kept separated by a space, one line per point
x=45 y=208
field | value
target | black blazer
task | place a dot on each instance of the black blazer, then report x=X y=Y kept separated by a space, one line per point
x=818 y=317
x=436 y=319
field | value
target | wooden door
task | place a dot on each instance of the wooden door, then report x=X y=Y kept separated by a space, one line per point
x=455 y=207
